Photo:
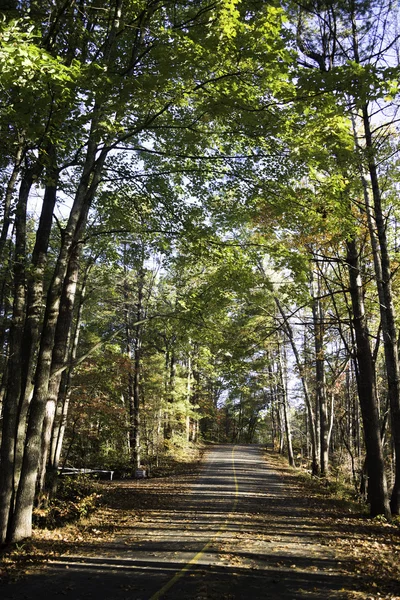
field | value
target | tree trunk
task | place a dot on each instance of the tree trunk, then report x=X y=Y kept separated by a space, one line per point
x=388 y=317
x=169 y=429
x=378 y=495
x=189 y=425
x=384 y=286
x=6 y=247
x=285 y=406
x=34 y=311
x=14 y=385
x=320 y=382
x=307 y=397
x=21 y=526
x=135 y=414
x=61 y=352
x=64 y=392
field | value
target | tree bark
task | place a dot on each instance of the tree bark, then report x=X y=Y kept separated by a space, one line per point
x=34 y=310
x=5 y=248
x=378 y=494
x=21 y=525
x=135 y=409
x=11 y=184
x=64 y=393
x=14 y=384
x=388 y=317
x=189 y=424
x=133 y=333
x=61 y=352
x=307 y=397
x=170 y=373
x=285 y=407
x=320 y=382
x=384 y=284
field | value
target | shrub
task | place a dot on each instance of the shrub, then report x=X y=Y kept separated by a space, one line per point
x=76 y=498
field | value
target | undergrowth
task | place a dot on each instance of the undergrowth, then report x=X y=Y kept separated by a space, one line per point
x=76 y=497
x=341 y=493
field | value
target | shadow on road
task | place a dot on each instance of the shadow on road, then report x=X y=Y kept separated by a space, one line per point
x=239 y=531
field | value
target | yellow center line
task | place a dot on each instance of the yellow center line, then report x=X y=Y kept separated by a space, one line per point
x=179 y=574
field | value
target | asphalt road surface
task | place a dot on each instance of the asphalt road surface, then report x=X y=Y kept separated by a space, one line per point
x=239 y=534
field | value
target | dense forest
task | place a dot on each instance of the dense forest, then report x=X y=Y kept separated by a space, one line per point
x=199 y=238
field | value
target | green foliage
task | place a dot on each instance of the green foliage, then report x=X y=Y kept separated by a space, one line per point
x=24 y=64
x=39 y=90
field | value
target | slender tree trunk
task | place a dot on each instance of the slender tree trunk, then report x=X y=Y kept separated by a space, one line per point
x=36 y=279
x=189 y=425
x=135 y=415
x=5 y=249
x=64 y=393
x=285 y=406
x=274 y=425
x=34 y=311
x=169 y=429
x=307 y=396
x=21 y=526
x=279 y=413
x=331 y=420
x=133 y=348
x=195 y=396
x=388 y=317
x=320 y=381
x=61 y=352
x=5 y=319
x=7 y=205
x=384 y=286
x=14 y=385
x=378 y=495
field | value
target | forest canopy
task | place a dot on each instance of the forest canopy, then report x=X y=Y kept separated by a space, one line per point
x=199 y=238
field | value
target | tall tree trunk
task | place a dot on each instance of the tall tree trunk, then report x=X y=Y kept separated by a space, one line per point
x=34 y=310
x=320 y=381
x=7 y=204
x=378 y=494
x=14 y=385
x=331 y=419
x=280 y=419
x=64 y=394
x=4 y=247
x=169 y=428
x=307 y=396
x=189 y=425
x=195 y=395
x=172 y=384
x=384 y=286
x=61 y=352
x=36 y=277
x=388 y=317
x=285 y=404
x=5 y=319
x=135 y=414
x=133 y=348
x=21 y=526
x=274 y=424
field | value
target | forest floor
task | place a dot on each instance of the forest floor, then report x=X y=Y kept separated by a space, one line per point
x=246 y=526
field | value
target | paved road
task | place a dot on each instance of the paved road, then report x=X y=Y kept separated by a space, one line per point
x=238 y=535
